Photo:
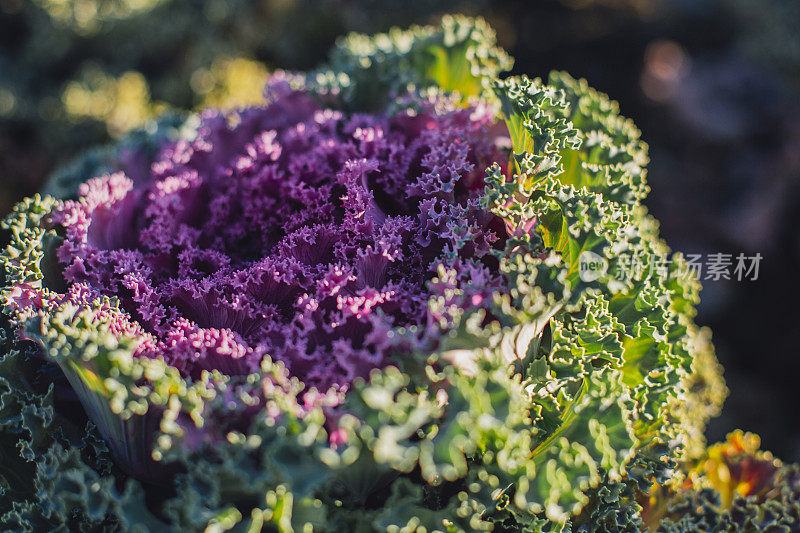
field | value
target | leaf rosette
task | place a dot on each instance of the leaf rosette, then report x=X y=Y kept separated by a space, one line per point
x=363 y=304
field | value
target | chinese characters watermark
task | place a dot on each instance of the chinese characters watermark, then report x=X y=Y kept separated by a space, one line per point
x=708 y=267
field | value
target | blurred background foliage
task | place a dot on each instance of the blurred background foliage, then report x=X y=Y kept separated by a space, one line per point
x=713 y=84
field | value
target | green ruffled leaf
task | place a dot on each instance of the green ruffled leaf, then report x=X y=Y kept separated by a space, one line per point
x=366 y=71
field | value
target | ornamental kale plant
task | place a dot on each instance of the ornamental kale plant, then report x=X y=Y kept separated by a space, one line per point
x=362 y=304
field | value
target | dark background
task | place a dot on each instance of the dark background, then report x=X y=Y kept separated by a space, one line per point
x=713 y=84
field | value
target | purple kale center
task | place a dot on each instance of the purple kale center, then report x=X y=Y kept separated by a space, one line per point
x=292 y=231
